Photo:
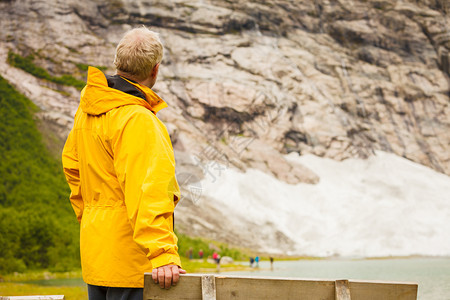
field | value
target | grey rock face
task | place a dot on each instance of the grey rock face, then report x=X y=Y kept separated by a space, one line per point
x=247 y=81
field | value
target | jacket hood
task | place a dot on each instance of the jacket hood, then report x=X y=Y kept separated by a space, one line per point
x=98 y=97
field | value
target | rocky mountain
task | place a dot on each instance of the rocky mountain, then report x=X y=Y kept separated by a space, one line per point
x=249 y=81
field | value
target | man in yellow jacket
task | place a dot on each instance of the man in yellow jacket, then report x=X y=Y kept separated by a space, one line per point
x=119 y=164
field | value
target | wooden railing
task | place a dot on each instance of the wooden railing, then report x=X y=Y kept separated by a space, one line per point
x=210 y=287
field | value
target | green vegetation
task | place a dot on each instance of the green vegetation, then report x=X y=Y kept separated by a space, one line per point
x=27 y=64
x=37 y=227
x=30 y=283
x=84 y=67
x=202 y=266
x=19 y=289
x=40 y=275
x=185 y=243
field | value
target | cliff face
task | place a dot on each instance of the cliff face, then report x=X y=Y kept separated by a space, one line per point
x=247 y=81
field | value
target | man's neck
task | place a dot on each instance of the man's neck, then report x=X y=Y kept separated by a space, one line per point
x=148 y=82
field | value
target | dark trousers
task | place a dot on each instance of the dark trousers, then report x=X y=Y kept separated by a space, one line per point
x=113 y=293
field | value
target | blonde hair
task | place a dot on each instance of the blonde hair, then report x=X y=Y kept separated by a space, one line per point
x=138 y=52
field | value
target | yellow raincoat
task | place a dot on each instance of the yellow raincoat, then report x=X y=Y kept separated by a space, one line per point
x=119 y=163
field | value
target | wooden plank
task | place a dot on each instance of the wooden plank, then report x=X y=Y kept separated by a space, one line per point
x=237 y=287
x=273 y=288
x=189 y=287
x=208 y=287
x=342 y=290
x=37 y=297
x=374 y=290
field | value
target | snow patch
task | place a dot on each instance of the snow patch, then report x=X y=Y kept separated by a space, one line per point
x=385 y=205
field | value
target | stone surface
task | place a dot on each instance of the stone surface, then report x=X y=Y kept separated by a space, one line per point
x=249 y=80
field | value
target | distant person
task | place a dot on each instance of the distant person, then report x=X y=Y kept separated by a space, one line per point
x=216 y=257
x=190 y=253
x=271 y=263
x=257 y=261
x=252 y=260
x=200 y=253
x=119 y=163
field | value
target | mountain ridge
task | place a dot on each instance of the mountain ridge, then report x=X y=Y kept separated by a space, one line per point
x=248 y=82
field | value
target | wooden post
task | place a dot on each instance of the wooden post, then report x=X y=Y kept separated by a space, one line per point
x=208 y=287
x=342 y=290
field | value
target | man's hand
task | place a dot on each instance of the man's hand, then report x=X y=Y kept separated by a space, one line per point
x=167 y=275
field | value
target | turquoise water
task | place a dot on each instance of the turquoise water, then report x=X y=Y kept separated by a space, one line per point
x=432 y=274
x=59 y=282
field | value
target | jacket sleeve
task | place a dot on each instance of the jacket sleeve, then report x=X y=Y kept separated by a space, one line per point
x=145 y=168
x=72 y=173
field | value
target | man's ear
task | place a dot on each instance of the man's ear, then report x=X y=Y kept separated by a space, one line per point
x=155 y=70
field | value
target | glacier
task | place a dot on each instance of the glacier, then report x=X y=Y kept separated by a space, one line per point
x=382 y=206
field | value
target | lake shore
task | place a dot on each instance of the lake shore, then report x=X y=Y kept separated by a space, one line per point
x=413 y=268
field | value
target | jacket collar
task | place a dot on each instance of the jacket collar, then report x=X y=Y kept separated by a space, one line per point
x=98 y=97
